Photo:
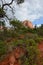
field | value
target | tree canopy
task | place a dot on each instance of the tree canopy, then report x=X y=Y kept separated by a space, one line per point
x=3 y=11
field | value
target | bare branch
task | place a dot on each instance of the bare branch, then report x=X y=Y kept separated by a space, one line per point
x=7 y=17
x=2 y=15
x=8 y=4
x=11 y=9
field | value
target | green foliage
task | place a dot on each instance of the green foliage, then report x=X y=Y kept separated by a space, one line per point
x=3 y=48
x=16 y=24
x=31 y=47
x=38 y=40
x=2 y=23
x=32 y=55
x=42 y=26
x=40 y=31
x=2 y=13
x=29 y=42
x=32 y=52
x=20 y=1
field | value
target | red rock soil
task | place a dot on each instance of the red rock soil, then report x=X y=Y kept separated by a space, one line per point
x=12 y=58
x=40 y=47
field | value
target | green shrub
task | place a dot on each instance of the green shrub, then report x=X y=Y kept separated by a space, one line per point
x=3 y=48
x=37 y=40
x=31 y=57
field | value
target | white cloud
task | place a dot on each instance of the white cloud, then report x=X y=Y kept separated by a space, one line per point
x=39 y=25
x=30 y=9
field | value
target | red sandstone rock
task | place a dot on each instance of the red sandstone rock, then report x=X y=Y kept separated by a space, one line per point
x=28 y=23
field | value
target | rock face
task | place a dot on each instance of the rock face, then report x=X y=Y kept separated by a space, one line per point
x=28 y=23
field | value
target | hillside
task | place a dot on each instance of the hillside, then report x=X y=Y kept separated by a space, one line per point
x=20 y=45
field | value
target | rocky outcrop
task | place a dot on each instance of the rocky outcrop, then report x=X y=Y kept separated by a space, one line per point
x=28 y=23
x=14 y=57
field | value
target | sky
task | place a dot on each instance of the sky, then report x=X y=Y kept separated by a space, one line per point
x=29 y=10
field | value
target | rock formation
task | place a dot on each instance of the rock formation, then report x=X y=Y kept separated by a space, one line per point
x=28 y=23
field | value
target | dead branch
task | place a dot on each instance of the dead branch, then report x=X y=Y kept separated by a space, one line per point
x=7 y=4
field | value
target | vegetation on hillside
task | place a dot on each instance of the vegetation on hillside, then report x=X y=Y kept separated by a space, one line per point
x=20 y=35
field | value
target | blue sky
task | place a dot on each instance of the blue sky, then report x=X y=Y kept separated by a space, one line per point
x=38 y=21
x=29 y=10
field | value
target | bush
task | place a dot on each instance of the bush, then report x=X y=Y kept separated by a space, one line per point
x=31 y=56
x=38 y=40
x=3 y=48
